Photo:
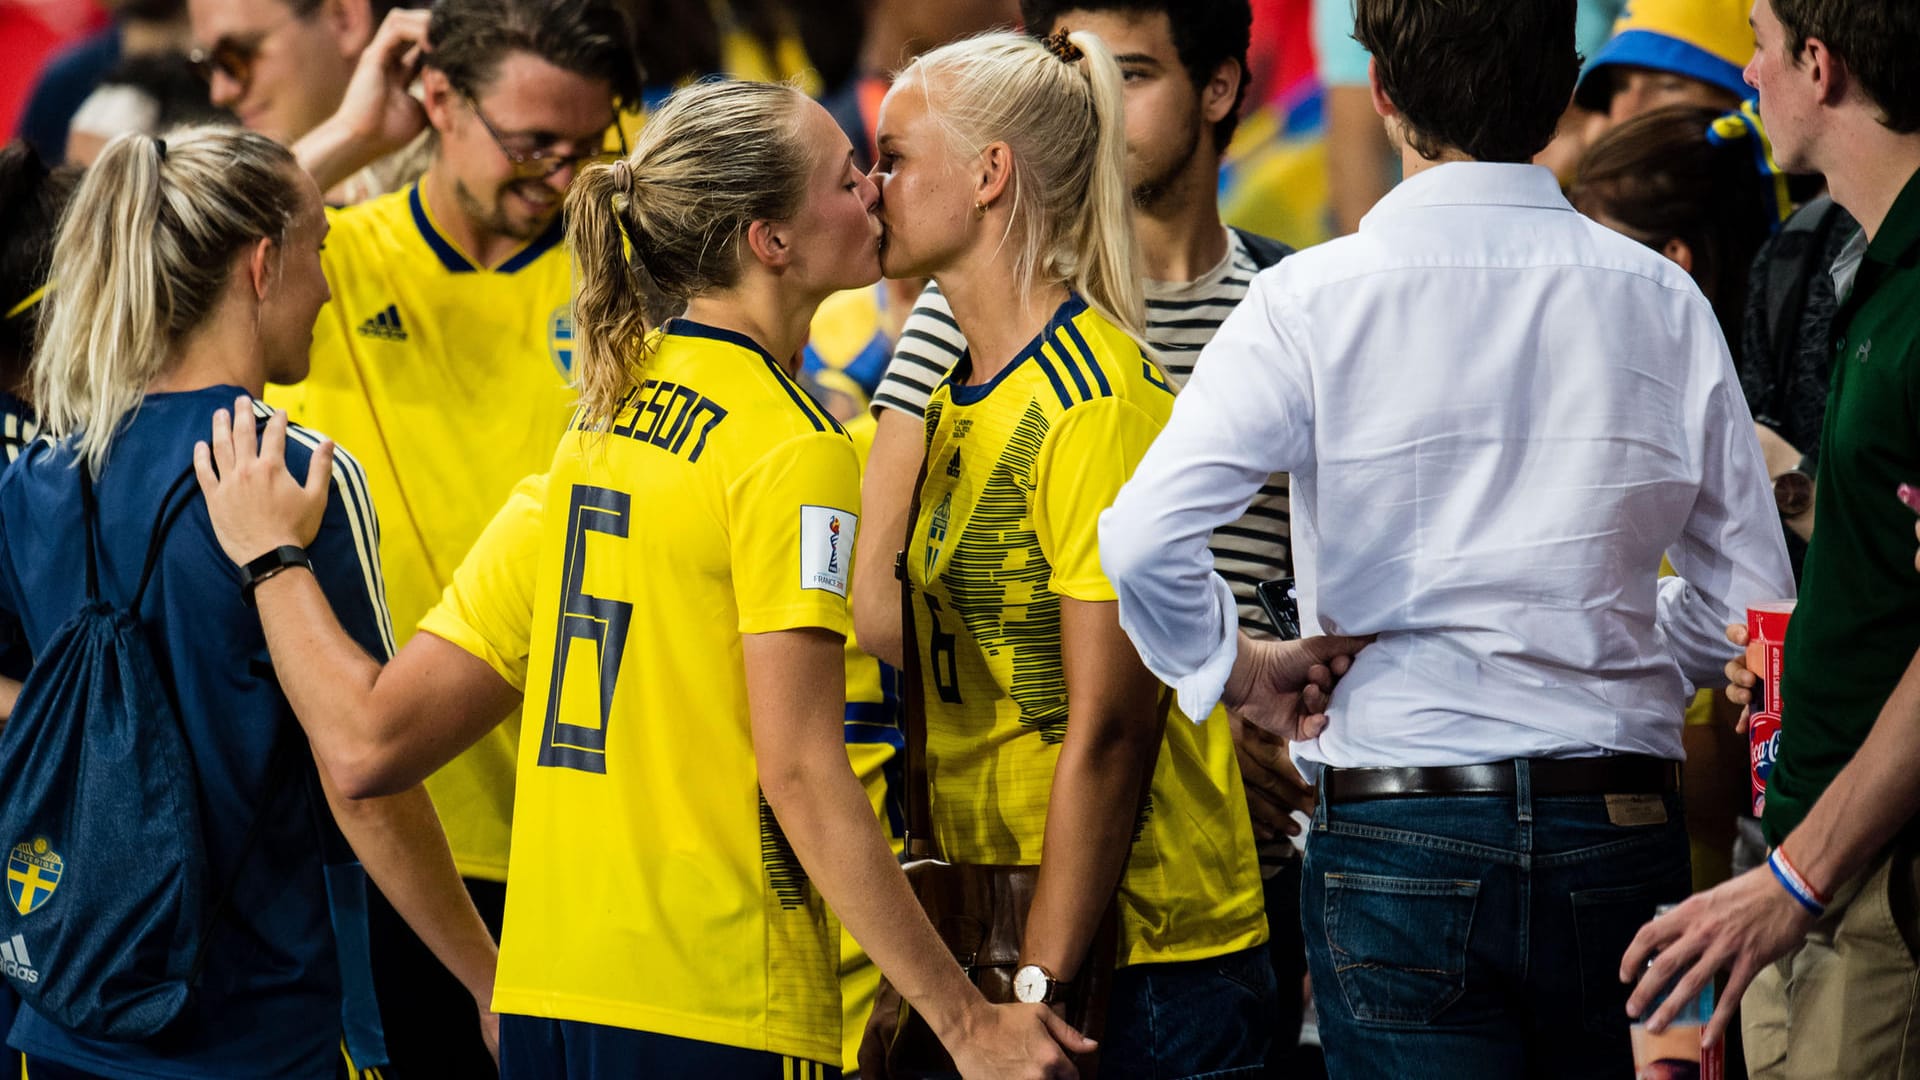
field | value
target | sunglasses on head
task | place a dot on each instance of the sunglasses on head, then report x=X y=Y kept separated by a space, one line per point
x=233 y=55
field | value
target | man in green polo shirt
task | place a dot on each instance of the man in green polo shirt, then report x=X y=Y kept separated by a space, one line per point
x=1823 y=939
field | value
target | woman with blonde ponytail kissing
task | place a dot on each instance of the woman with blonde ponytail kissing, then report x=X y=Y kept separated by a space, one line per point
x=684 y=802
x=1002 y=176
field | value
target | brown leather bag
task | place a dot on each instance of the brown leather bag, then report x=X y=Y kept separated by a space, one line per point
x=980 y=911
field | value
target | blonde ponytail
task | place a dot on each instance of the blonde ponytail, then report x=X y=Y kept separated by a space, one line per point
x=664 y=225
x=609 y=316
x=1060 y=113
x=141 y=258
x=1106 y=255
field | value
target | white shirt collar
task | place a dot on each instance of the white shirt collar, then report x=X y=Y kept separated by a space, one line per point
x=1471 y=183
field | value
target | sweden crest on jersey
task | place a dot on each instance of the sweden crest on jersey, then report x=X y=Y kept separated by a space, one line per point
x=33 y=872
x=560 y=338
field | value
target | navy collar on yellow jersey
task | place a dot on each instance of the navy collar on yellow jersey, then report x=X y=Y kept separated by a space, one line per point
x=1080 y=367
x=821 y=419
x=455 y=262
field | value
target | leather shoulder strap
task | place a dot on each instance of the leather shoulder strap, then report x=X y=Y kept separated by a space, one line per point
x=919 y=840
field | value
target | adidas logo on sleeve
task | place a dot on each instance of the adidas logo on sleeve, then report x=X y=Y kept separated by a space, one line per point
x=386 y=326
x=15 y=962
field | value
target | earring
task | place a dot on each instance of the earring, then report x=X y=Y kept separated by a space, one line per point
x=980 y=209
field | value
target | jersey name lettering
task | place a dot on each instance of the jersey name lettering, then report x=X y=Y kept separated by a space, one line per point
x=668 y=415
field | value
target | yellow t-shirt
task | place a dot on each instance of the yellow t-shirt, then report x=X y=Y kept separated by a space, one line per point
x=449 y=383
x=651 y=887
x=1018 y=471
x=487 y=609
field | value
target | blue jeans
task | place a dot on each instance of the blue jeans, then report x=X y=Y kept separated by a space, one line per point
x=1477 y=936
x=1191 y=1020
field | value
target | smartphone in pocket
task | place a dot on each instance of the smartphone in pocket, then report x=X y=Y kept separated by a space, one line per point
x=1281 y=601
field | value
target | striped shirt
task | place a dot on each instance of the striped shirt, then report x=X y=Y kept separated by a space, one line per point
x=1181 y=319
x=18 y=426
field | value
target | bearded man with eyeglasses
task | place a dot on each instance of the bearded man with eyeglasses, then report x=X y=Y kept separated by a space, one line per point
x=442 y=362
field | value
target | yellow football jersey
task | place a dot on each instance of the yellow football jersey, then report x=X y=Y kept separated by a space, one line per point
x=651 y=887
x=1018 y=471
x=449 y=383
x=487 y=610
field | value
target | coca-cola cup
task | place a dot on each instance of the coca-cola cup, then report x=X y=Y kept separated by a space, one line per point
x=1766 y=651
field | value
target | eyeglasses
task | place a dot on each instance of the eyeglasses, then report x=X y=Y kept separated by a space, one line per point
x=232 y=56
x=542 y=161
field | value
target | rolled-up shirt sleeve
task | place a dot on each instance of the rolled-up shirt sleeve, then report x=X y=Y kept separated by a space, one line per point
x=1731 y=552
x=1245 y=414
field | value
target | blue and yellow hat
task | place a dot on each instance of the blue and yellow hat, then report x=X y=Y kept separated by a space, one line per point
x=1708 y=40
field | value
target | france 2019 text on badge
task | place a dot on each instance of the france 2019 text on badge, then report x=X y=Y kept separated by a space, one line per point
x=826 y=547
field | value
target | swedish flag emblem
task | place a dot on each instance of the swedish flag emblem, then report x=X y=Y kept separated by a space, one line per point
x=560 y=338
x=33 y=872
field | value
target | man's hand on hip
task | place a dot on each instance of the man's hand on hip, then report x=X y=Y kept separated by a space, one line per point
x=1284 y=687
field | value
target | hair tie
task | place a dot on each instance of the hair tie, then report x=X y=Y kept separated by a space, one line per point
x=1063 y=47
x=1744 y=124
x=160 y=148
x=630 y=251
x=28 y=302
x=623 y=177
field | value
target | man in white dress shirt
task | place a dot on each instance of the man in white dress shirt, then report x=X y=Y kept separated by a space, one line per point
x=1498 y=416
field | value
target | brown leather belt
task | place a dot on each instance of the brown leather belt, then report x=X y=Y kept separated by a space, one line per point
x=1625 y=774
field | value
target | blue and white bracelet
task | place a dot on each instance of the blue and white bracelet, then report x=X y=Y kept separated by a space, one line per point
x=1795 y=885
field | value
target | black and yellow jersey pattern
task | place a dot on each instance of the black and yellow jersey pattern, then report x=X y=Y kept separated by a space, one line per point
x=1018 y=470
x=651 y=887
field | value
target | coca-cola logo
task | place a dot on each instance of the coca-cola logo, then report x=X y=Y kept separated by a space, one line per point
x=1764 y=751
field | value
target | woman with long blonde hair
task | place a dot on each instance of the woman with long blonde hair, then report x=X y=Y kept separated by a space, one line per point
x=1002 y=177
x=683 y=783
x=188 y=274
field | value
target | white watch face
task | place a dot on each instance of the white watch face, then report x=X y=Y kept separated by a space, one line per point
x=1030 y=985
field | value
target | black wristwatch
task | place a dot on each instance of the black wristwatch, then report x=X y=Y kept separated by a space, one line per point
x=266 y=566
x=1793 y=491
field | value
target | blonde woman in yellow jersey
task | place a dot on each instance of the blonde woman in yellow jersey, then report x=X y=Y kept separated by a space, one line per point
x=1002 y=165
x=487 y=610
x=683 y=783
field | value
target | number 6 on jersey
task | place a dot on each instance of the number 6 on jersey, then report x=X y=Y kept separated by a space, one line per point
x=586 y=618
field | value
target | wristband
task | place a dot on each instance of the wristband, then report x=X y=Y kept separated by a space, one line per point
x=272 y=563
x=1795 y=885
